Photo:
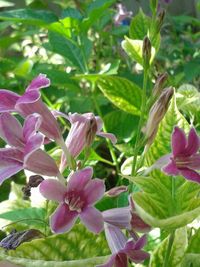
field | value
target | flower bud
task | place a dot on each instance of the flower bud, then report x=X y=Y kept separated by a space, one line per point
x=146 y=51
x=160 y=82
x=116 y=191
x=157 y=113
x=159 y=20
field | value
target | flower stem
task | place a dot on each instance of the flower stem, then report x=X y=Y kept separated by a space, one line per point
x=61 y=178
x=143 y=108
x=169 y=248
x=110 y=147
x=69 y=159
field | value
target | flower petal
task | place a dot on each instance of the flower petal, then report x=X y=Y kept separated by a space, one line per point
x=31 y=125
x=93 y=219
x=190 y=175
x=11 y=130
x=119 y=217
x=138 y=255
x=8 y=100
x=34 y=143
x=179 y=141
x=171 y=169
x=193 y=143
x=116 y=239
x=39 y=82
x=52 y=189
x=40 y=163
x=79 y=179
x=141 y=242
x=121 y=260
x=94 y=190
x=99 y=123
x=110 y=136
x=62 y=219
x=11 y=162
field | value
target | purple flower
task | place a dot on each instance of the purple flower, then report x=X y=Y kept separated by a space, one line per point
x=24 y=151
x=75 y=200
x=184 y=159
x=30 y=102
x=123 y=249
x=82 y=133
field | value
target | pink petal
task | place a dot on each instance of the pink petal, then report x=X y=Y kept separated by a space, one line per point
x=75 y=117
x=99 y=123
x=116 y=191
x=62 y=219
x=115 y=238
x=31 y=125
x=39 y=82
x=11 y=130
x=179 y=141
x=10 y=154
x=193 y=143
x=190 y=175
x=171 y=169
x=49 y=126
x=94 y=190
x=110 y=136
x=93 y=219
x=193 y=162
x=119 y=217
x=8 y=100
x=40 y=163
x=121 y=260
x=79 y=179
x=138 y=224
x=138 y=255
x=34 y=143
x=53 y=190
x=141 y=242
x=28 y=97
x=9 y=170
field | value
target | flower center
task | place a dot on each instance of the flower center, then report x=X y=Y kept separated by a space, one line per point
x=182 y=161
x=75 y=201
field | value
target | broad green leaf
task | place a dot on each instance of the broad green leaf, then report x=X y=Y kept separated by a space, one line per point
x=134 y=49
x=165 y=201
x=121 y=124
x=29 y=16
x=141 y=26
x=78 y=244
x=30 y=216
x=123 y=93
x=177 y=251
x=68 y=49
x=71 y=13
x=24 y=68
x=191 y=260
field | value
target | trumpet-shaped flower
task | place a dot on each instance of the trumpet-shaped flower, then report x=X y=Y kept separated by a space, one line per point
x=82 y=133
x=75 y=200
x=24 y=151
x=123 y=249
x=30 y=102
x=184 y=159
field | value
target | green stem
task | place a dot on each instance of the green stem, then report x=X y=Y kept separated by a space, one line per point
x=112 y=152
x=143 y=108
x=169 y=248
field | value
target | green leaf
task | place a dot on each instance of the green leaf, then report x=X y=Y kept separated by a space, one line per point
x=68 y=49
x=121 y=124
x=123 y=93
x=165 y=201
x=77 y=247
x=134 y=49
x=141 y=26
x=29 y=16
x=177 y=251
x=24 y=68
x=30 y=216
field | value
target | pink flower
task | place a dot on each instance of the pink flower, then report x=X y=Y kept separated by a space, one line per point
x=184 y=159
x=83 y=130
x=75 y=200
x=24 y=151
x=123 y=249
x=30 y=102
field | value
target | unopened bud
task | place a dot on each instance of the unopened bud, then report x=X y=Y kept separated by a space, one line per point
x=146 y=51
x=91 y=132
x=116 y=191
x=160 y=82
x=159 y=20
x=35 y=180
x=157 y=113
x=153 y=5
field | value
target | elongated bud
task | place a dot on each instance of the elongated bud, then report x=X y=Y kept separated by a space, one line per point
x=146 y=51
x=157 y=113
x=116 y=191
x=160 y=82
x=159 y=20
